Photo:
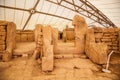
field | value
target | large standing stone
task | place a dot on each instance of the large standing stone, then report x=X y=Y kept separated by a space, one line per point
x=55 y=38
x=10 y=41
x=38 y=40
x=97 y=52
x=47 y=59
x=81 y=28
x=37 y=31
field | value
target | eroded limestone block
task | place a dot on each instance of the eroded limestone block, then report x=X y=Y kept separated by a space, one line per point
x=23 y=37
x=47 y=61
x=97 y=52
x=55 y=36
x=10 y=41
x=2 y=47
x=47 y=38
x=3 y=23
x=37 y=31
x=81 y=28
x=64 y=36
x=39 y=41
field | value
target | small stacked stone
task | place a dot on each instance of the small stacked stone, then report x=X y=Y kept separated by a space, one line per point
x=2 y=37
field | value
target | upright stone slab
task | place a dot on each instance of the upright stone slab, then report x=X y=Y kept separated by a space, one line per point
x=37 y=31
x=97 y=52
x=38 y=39
x=10 y=41
x=81 y=28
x=55 y=38
x=47 y=59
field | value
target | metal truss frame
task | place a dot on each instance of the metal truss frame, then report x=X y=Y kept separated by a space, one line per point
x=86 y=9
x=91 y=11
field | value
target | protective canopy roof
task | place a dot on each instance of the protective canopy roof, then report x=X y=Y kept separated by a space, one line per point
x=111 y=8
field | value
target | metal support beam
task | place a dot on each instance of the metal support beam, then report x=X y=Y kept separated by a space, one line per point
x=32 y=11
x=53 y=15
x=86 y=7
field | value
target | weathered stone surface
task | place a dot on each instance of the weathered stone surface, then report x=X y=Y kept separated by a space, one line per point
x=10 y=41
x=3 y=33
x=2 y=42
x=68 y=34
x=37 y=31
x=3 y=23
x=98 y=35
x=2 y=47
x=64 y=36
x=30 y=37
x=39 y=41
x=97 y=52
x=24 y=36
x=55 y=36
x=47 y=59
x=98 y=29
x=18 y=37
x=81 y=28
x=106 y=39
x=109 y=30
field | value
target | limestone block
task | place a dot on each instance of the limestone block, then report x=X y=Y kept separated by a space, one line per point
x=115 y=48
x=81 y=28
x=37 y=31
x=30 y=37
x=97 y=52
x=47 y=61
x=47 y=35
x=106 y=34
x=106 y=40
x=109 y=30
x=18 y=37
x=2 y=42
x=23 y=37
x=97 y=40
x=3 y=38
x=2 y=33
x=10 y=41
x=70 y=34
x=98 y=35
x=2 y=47
x=114 y=40
x=64 y=36
x=2 y=28
x=98 y=29
x=55 y=36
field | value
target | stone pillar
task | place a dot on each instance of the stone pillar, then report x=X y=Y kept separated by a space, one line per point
x=47 y=59
x=97 y=52
x=39 y=41
x=10 y=41
x=81 y=28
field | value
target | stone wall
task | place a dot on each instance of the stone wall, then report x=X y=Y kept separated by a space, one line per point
x=108 y=36
x=24 y=36
x=7 y=39
x=68 y=34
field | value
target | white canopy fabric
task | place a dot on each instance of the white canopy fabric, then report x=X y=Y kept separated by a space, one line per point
x=111 y=8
